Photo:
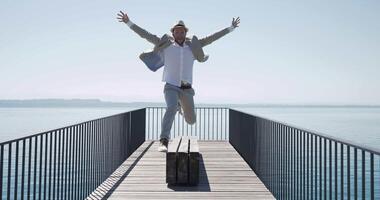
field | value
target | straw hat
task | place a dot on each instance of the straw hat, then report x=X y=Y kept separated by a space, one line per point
x=180 y=23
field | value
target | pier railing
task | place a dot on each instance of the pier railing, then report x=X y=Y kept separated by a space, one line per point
x=296 y=163
x=69 y=162
x=211 y=123
x=293 y=163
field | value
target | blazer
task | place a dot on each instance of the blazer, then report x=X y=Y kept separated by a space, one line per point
x=153 y=58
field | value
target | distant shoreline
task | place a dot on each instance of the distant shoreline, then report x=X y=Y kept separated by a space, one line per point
x=76 y=103
x=70 y=103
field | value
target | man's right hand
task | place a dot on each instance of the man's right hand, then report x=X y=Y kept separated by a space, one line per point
x=123 y=17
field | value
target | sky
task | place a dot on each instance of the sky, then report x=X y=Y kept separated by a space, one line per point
x=284 y=52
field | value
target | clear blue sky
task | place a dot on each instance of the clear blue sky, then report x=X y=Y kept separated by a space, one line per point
x=283 y=52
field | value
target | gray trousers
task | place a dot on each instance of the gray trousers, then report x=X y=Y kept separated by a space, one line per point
x=173 y=95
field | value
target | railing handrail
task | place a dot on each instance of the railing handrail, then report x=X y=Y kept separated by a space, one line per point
x=313 y=132
x=195 y=107
x=316 y=133
x=212 y=120
x=64 y=127
x=131 y=128
x=72 y=161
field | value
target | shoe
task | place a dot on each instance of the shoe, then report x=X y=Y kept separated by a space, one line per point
x=163 y=146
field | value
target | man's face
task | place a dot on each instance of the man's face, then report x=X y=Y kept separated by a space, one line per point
x=179 y=34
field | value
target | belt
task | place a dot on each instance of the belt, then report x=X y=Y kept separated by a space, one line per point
x=186 y=86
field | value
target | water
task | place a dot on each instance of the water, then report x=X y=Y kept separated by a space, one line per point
x=20 y=122
x=357 y=124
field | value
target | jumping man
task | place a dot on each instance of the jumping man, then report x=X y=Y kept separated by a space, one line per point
x=177 y=53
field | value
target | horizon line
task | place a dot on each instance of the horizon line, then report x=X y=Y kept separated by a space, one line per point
x=99 y=101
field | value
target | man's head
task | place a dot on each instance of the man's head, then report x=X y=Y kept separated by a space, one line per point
x=179 y=31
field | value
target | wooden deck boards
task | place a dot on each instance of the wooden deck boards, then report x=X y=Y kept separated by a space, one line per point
x=223 y=175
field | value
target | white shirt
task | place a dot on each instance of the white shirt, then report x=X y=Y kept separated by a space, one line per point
x=178 y=64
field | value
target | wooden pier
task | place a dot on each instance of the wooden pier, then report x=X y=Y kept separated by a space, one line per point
x=223 y=175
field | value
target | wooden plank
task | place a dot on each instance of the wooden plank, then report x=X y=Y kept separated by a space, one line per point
x=201 y=187
x=193 y=195
x=202 y=180
x=194 y=147
x=193 y=162
x=182 y=161
x=173 y=145
x=171 y=161
x=201 y=173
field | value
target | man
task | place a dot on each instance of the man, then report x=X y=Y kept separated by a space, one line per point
x=177 y=53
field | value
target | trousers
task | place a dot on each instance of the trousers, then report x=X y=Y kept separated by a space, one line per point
x=173 y=96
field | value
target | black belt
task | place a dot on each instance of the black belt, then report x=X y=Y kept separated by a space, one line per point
x=185 y=86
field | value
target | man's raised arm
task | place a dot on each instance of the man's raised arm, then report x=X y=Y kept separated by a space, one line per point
x=140 y=31
x=211 y=38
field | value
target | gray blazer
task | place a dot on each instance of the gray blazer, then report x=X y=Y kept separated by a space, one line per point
x=153 y=59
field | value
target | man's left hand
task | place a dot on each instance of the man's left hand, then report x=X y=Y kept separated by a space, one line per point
x=235 y=22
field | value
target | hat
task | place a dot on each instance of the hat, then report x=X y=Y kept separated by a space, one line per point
x=180 y=23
